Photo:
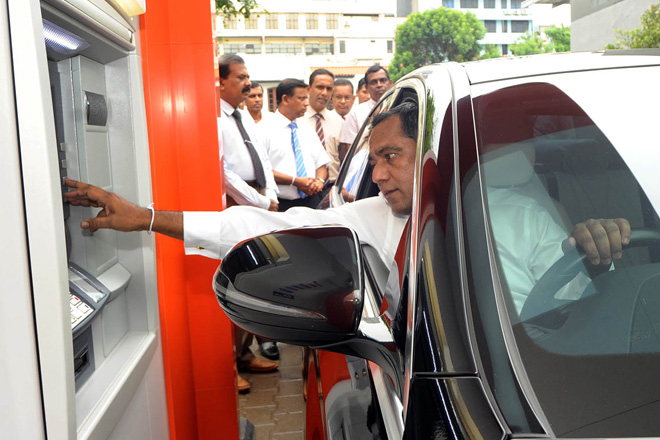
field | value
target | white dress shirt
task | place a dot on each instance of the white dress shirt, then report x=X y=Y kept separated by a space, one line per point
x=277 y=140
x=237 y=162
x=332 y=124
x=354 y=121
x=213 y=234
x=528 y=242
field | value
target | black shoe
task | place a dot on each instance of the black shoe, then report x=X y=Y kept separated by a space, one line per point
x=269 y=349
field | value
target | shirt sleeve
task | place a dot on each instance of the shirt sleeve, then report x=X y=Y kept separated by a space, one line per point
x=243 y=193
x=350 y=128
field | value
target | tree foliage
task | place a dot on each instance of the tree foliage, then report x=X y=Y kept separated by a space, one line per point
x=648 y=36
x=434 y=36
x=231 y=8
x=529 y=44
x=490 y=51
x=560 y=38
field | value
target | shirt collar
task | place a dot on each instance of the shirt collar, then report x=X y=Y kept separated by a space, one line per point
x=281 y=119
x=226 y=107
x=311 y=113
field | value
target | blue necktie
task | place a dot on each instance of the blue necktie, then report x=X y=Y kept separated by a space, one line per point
x=300 y=164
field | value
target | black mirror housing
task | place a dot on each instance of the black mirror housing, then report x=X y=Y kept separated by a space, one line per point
x=299 y=286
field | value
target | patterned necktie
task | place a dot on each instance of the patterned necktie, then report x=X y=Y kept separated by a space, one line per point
x=319 y=129
x=300 y=164
x=259 y=174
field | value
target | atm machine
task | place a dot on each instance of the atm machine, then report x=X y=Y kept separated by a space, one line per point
x=80 y=349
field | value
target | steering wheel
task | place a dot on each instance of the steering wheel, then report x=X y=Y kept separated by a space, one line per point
x=542 y=296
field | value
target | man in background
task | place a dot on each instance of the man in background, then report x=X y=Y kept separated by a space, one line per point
x=325 y=123
x=255 y=102
x=378 y=82
x=343 y=97
x=248 y=178
x=362 y=94
x=298 y=157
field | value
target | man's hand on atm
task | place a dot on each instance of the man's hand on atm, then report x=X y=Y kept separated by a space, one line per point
x=119 y=214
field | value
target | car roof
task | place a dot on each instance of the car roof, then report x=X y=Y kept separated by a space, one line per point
x=503 y=68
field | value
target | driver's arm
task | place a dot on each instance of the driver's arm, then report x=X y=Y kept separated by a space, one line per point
x=601 y=239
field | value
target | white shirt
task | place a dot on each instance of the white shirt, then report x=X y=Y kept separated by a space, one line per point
x=528 y=242
x=237 y=162
x=354 y=121
x=332 y=124
x=265 y=116
x=213 y=234
x=277 y=140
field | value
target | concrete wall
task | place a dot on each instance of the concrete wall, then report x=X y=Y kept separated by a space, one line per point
x=594 y=30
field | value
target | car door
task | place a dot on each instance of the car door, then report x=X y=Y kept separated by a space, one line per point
x=348 y=397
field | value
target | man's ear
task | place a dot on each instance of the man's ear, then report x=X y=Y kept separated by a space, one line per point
x=222 y=83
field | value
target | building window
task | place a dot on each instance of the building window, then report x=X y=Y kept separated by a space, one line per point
x=293 y=48
x=312 y=21
x=272 y=99
x=252 y=22
x=231 y=48
x=230 y=23
x=390 y=46
x=448 y=3
x=505 y=26
x=272 y=21
x=253 y=48
x=292 y=21
x=319 y=48
x=505 y=4
x=332 y=21
x=516 y=4
x=519 y=26
x=491 y=25
x=469 y=3
x=505 y=49
x=342 y=46
x=241 y=48
x=489 y=4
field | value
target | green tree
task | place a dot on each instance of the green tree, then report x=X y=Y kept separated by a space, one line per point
x=490 y=51
x=648 y=36
x=529 y=44
x=434 y=36
x=560 y=38
x=229 y=8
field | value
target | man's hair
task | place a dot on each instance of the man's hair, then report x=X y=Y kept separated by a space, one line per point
x=318 y=72
x=407 y=112
x=226 y=61
x=344 y=82
x=287 y=87
x=373 y=69
x=361 y=83
x=255 y=85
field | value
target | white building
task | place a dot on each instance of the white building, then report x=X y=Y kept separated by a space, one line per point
x=294 y=37
x=505 y=20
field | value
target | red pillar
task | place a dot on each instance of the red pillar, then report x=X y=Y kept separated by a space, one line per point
x=179 y=86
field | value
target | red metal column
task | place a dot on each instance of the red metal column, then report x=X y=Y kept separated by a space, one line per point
x=179 y=85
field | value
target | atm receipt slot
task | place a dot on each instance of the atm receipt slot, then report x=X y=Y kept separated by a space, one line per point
x=87 y=296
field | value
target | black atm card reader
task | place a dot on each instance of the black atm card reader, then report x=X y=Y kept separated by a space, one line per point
x=87 y=295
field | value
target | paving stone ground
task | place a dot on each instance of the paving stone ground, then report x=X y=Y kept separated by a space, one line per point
x=275 y=404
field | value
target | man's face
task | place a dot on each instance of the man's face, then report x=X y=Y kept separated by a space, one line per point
x=295 y=106
x=320 y=92
x=255 y=100
x=392 y=156
x=342 y=99
x=363 y=94
x=236 y=87
x=377 y=84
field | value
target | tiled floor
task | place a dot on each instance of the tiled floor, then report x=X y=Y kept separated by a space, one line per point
x=275 y=405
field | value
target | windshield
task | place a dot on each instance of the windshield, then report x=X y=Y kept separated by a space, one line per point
x=583 y=339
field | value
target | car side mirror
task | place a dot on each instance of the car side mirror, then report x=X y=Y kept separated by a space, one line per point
x=300 y=286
